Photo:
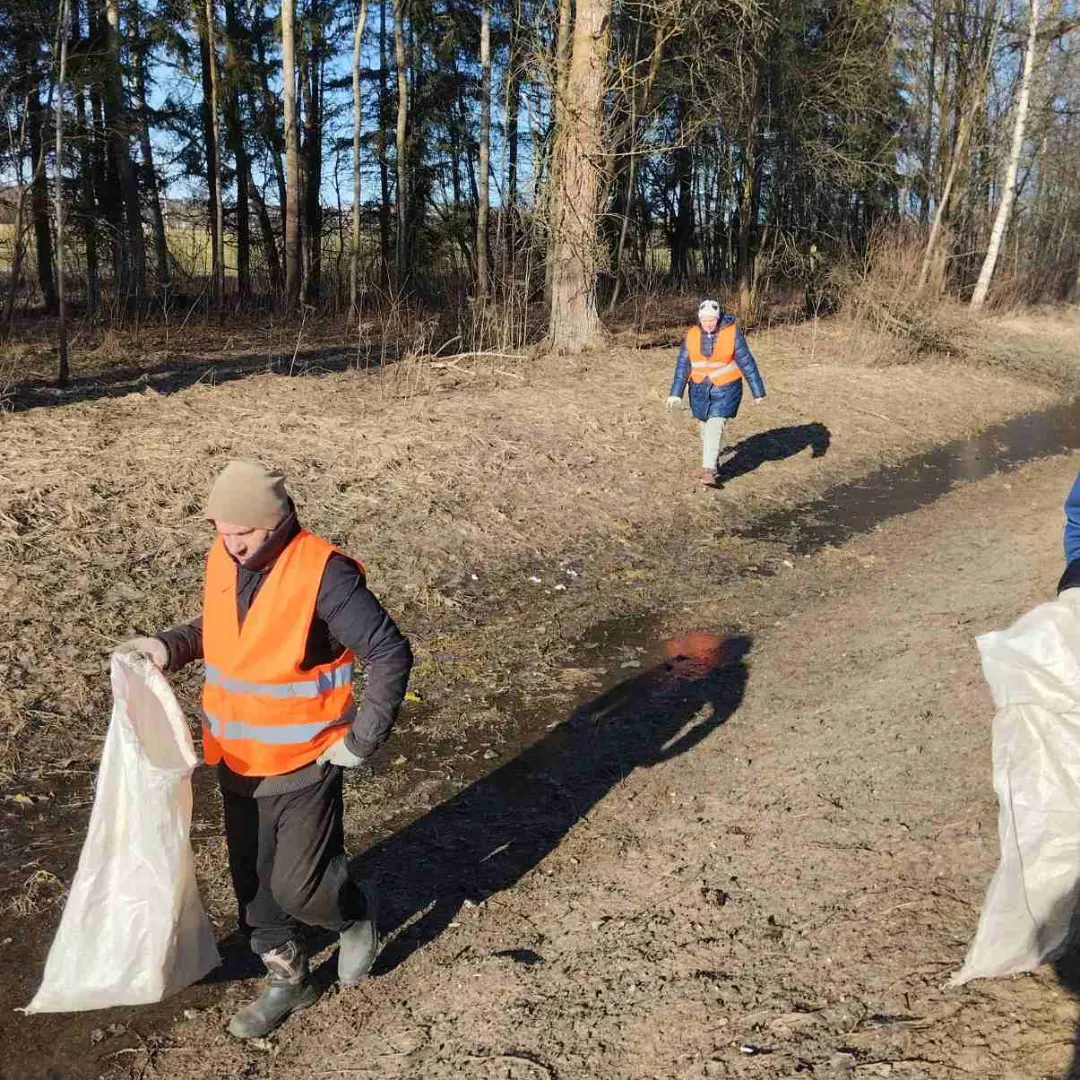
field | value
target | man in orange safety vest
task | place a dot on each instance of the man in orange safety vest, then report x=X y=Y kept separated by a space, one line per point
x=285 y=619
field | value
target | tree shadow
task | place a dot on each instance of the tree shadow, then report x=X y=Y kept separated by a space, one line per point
x=172 y=376
x=775 y=445
x=487 y=837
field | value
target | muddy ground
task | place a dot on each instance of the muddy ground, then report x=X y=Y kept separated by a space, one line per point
x=597 y=859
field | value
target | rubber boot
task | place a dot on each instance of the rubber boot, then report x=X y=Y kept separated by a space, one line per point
x=289 y=990
x=359 y=943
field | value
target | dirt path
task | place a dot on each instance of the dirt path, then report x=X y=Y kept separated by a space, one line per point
x=781 y=893
x=786 y=855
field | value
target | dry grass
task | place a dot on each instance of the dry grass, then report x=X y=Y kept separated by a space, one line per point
x=431 y=472
x=881 y=293
x=41 y=889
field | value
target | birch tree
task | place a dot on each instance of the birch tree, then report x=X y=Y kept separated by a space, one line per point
x=1008 y=193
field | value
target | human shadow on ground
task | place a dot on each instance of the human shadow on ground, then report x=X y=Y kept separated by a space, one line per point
x=487 y=837
x=1067 y=969
x=775 y=445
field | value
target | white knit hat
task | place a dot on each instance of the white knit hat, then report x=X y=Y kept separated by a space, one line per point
x=708 y=307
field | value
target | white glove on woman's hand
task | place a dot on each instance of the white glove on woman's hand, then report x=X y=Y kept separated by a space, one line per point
x=674 y=404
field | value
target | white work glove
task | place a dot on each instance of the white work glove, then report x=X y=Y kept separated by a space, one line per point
x=154 y=649
x=674 y=404
x=340 y=754
x=759 y=400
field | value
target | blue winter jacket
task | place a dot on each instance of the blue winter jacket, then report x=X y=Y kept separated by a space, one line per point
x=1072 y=523
x=707 y=400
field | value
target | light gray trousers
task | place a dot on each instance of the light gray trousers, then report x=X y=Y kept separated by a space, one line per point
x=712 y=440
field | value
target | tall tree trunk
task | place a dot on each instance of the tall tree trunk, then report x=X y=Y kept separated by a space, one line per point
x=380 y=146
x=563 y=36
x=401 y=255
x=1008 y=194
x=482 y=267
x=311 y=80
x=87 y=205
x=62 y=367
x=213 y=170
x=234 y=137
x=513 y=108
x=266 y=118
x=682 y=237
x=106 y=180
x=269 y=241
x=574 y=322
x=293 y=268
x=968 y=107
x=39 y=203
x=212 y=113
x=162 y=274
x=748 y=203
x=119 y=125
x=17 y=238
x=927 y=150
x=358 y=116
x=631 y=171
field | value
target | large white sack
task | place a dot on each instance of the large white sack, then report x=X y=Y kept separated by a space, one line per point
x=133 y=929
x=1033 y=669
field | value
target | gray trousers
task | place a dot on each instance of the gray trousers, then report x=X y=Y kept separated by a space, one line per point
x=288 y=863
x=712 y=440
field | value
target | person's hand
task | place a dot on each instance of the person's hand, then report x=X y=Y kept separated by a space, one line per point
x=154 y=649
x=674 y=404
x=759 y=400
x=340 y=754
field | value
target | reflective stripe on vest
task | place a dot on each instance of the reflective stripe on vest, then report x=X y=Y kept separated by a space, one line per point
x=309 y=688
x=263 y=713
x=720 y=368
x=281 y=735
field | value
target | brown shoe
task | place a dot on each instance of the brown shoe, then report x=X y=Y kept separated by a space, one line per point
x=708 y=478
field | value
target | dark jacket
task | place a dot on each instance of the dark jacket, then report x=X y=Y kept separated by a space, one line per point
x=347 y=616
x=707 y=400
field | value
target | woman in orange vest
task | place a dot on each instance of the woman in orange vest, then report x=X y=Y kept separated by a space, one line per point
x=714 y=360
x=285 y=618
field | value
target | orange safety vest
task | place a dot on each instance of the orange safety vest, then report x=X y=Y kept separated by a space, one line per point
x=720 y=368
x=262 y=713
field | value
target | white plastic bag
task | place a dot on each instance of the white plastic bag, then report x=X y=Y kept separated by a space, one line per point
x=133 y=929
x=1033 y=669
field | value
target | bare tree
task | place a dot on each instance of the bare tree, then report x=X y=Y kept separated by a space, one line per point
x=358 y=40
x=157 y=217
x=561 y=76
x=61 y=304
x=293 y=268
x=235 y=83
x=574 y=322
x=214 y=159
x=116 y=116
x=482 y=266
x=970 y=109
x=400 y=261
